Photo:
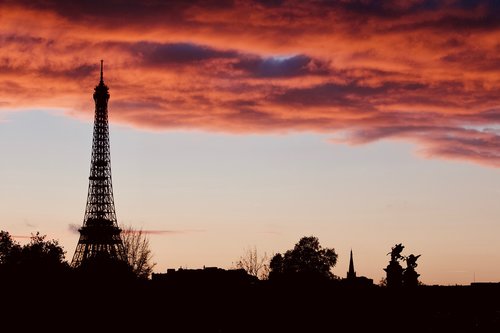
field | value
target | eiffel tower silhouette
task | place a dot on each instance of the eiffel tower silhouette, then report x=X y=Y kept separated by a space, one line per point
x=100 y=234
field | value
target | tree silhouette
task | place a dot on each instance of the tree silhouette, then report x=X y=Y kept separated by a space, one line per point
x=138 y=252
x=42 y=254
x=38 y=259
x=307 y=259
x=254 y=264
x=9 y=248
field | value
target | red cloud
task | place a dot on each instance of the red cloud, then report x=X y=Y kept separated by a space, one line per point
x=423 y=71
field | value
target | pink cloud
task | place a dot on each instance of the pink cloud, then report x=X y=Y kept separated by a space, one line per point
x=163 y=232
x=21 y=237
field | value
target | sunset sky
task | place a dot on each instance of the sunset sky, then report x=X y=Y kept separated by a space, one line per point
x=236 y=124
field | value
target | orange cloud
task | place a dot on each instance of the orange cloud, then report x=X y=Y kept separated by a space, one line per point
x=426 y=71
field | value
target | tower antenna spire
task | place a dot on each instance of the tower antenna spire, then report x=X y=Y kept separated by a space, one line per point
x=102 y=61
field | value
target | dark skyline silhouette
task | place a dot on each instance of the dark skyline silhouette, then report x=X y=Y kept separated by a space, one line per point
x=218 y=300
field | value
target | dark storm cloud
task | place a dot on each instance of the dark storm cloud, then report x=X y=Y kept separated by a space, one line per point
x=351 y=94
x=126 y=10
x=160 y=54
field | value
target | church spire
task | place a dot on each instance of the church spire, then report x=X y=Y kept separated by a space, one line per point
x=351 y=274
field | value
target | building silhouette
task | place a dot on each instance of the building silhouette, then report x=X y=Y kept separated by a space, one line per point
x=351 y=274
x=100 y=234
x=354 y=280
x=206 y=277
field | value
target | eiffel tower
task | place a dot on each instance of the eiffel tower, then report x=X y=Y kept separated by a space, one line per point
x=100 y=234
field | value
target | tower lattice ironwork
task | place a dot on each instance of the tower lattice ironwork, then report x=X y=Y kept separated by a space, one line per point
x=100 y=234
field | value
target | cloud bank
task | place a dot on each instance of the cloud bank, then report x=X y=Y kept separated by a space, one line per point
x=361 y=70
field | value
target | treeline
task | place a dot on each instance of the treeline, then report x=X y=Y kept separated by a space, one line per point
x=42 y=261
x=38 y=259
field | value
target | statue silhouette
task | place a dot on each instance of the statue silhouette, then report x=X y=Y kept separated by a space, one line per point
x=410 y=276
x=394 y=270
x=396 y=252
